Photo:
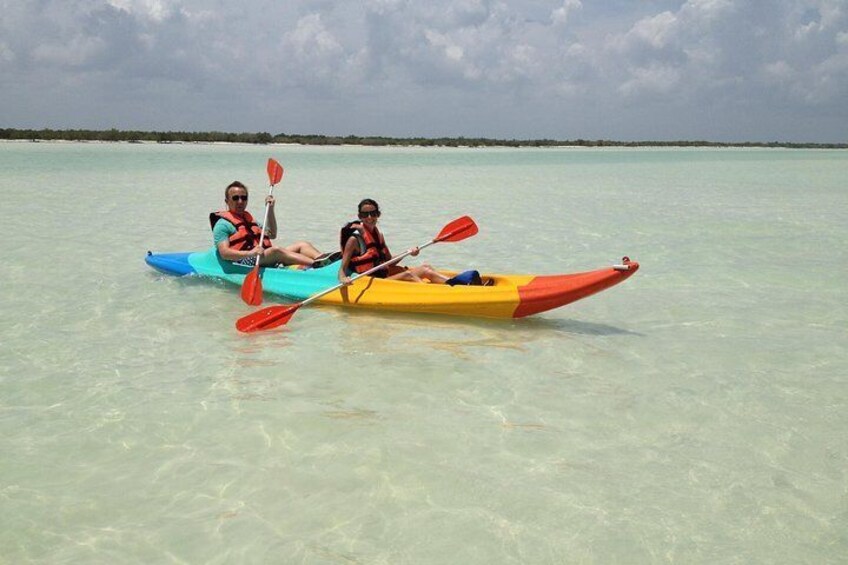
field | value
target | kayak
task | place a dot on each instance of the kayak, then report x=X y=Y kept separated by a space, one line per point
x=504 y=296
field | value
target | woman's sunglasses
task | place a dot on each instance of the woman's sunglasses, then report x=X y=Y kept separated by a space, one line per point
x=372 y=213
x=237 y=197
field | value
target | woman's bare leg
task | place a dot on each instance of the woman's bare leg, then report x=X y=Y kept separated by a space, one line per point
x=277 y=255
x=428 y=272
x=303 y=248
x=407 y=276
x=417 y=274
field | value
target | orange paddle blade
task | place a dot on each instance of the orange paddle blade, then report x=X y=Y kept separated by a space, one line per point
x=266 y=319
x=457 y=230
x=275 y=172
x=251 y=288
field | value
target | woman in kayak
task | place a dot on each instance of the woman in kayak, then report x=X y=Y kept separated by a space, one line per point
x=236 y=234
x=363 y=248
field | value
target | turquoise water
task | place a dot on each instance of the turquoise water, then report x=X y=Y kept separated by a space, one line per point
x=695 y=414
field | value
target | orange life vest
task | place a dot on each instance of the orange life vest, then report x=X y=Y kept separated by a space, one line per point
x=372 y=252
x=247 y=230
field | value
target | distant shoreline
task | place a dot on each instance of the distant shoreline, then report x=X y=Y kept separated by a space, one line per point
x=263 y=138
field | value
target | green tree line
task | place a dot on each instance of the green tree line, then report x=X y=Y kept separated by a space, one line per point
x=305 y=139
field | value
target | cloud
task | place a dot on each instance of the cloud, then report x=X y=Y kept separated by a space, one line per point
x=779 y=71
x=75 y=52
x=726 y=50
x=531 y=68
x=561 y=15
x=6 y=53
x=655 y=32
x=154 y=10
x=311 y=36
x=653 y=79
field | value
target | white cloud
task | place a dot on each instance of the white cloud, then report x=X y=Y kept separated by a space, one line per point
x=694 y=23
x=312 y=36
x=465 y=13
x=654 y=31
x=78 y=51
x=155 y=10
x=6 y=53
x=560 y=15
x=653 y=79
x=832 y=12
x=779 y=71
x=828 y=81
x=706 y=11
x=443 y=66
x=444 y=45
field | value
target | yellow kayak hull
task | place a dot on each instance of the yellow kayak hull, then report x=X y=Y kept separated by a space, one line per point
x=508 y=296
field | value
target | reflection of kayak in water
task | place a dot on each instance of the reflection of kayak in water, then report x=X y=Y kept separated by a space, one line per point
x=504 y=296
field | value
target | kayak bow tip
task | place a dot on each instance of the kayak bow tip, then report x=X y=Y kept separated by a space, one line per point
x=547 y=292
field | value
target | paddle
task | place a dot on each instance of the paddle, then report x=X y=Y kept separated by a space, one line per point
x=275 y=316
x=251 y=288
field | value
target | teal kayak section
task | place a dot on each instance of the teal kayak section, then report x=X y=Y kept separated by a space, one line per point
x=296 y=284
x=170 y=263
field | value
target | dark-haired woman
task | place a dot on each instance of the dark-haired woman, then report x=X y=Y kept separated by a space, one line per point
x=363 y=248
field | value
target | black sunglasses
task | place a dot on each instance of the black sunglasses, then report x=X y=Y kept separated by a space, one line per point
x=237 y=197
x=372 y=213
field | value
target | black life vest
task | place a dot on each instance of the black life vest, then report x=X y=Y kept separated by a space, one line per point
x=247 y=230
x=372 y=252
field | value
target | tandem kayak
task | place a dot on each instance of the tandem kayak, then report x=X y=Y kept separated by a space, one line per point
x=506 y=296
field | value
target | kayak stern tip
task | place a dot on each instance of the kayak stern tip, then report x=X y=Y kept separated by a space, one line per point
x=176 y=264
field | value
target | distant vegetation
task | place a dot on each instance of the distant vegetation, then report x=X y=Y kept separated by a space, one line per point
x=265 y=138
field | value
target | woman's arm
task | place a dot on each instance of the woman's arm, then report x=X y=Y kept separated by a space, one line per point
x=350 y=248
x=383 y=243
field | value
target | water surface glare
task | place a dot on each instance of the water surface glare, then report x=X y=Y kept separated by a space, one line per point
x=694 y=414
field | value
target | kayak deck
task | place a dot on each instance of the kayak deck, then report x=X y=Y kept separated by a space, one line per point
x=509 y=296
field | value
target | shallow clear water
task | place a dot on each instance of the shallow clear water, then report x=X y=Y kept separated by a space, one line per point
x=696 y=413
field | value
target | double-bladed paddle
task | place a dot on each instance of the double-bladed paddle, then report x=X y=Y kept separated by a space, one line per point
x=251 y=288
x=275 y=316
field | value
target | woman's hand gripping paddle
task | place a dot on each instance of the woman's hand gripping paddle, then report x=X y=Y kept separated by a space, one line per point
x=275 y=316
x=251 y=288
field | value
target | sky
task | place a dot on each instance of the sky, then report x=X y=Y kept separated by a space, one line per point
x=715 y=70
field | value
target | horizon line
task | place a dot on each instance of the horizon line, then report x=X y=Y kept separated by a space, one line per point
x=264 y=138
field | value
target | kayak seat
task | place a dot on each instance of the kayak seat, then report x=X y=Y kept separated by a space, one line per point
x=325 y=259
x=468 y=278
